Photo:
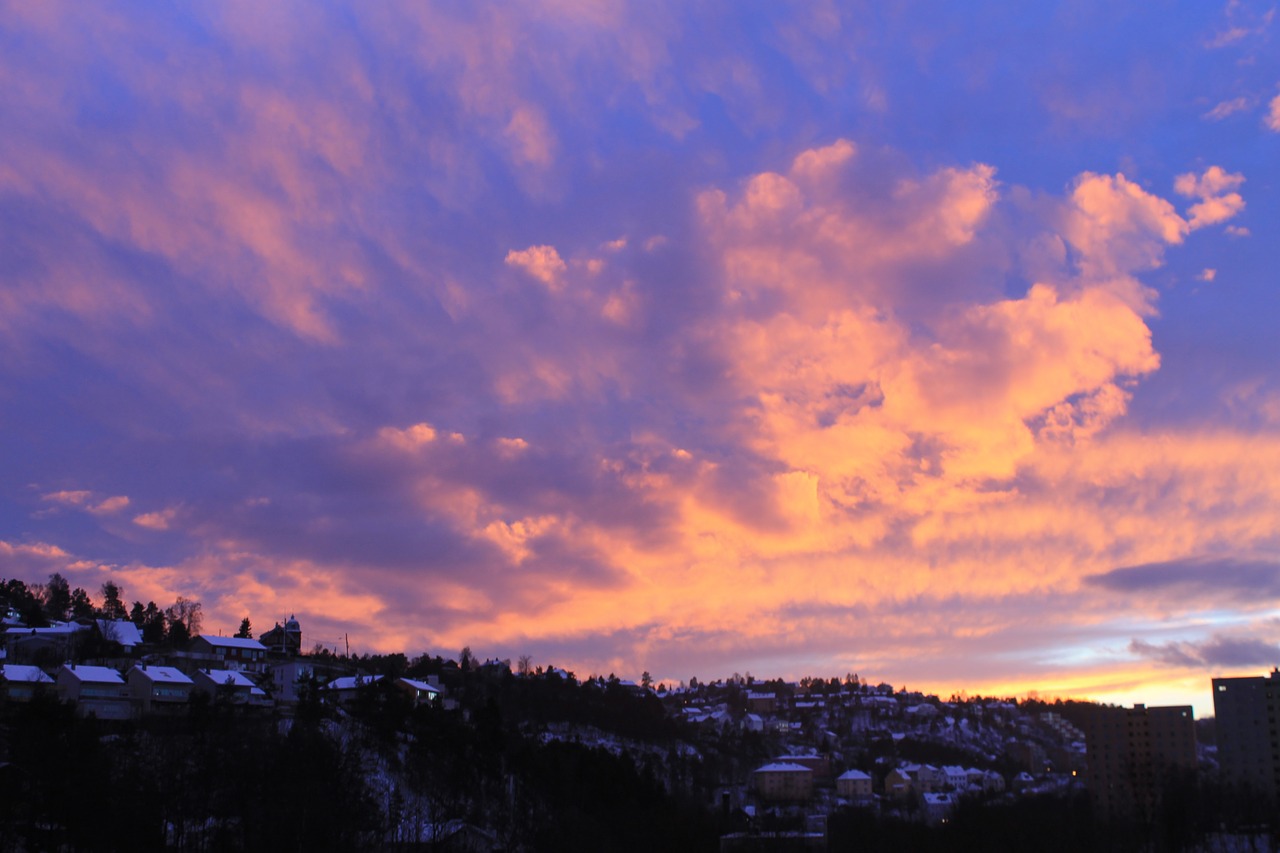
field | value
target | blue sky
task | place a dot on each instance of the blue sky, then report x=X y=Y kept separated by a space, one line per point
x=932 y=343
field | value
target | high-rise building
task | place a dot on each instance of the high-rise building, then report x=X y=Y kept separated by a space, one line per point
x=1133 y=752
x=1248 y=747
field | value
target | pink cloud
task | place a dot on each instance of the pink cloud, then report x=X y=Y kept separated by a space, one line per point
x=541 y=262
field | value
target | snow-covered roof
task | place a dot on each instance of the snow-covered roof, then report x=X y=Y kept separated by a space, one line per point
x=22 y=672
x=62 y=629
x=855 y=774
x=351 y=682
x=96 y=674
x=783 y=767
x=122 y=631
x=165 y=674
x=420 y=685
x=233 y=643
x=233 y=678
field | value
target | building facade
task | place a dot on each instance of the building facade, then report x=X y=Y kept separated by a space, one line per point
x=1246 y=718
x=1132 y=753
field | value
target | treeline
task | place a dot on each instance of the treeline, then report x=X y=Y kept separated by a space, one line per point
x=38 y=605
x=526 y=763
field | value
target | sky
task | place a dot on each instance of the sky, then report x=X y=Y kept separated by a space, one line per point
x=931 y=342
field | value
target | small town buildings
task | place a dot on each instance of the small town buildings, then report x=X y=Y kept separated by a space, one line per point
x=345 y=690
x=419 y=692
x=920 y=778
x=23 y=682
x=937 y=807
x=95 y=690
x=819 y=764
x=120 y=631
x=159 y=689
x=283 y=639
x=783 y=782
x=762 y=703
x=231 y=686
x=291 y=678
x=46 y=647
x=854 y=785
x=231 y=653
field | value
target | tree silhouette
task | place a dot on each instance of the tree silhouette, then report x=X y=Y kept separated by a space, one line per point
x=112 y=607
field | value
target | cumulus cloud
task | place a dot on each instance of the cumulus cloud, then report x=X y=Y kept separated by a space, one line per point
x=807 y=398
x=159 y=520
x=1273 y=115
x=1216 y=189
x=541 y=262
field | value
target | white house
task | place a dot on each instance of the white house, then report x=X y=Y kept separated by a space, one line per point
x=21 y=682
x=158 y=688
x=232 y=685
x=96 y=690
x=345 y=690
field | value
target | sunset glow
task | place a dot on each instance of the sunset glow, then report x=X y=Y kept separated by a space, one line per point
x=930 y=344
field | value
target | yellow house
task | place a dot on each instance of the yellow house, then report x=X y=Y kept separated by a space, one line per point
x=783 y=782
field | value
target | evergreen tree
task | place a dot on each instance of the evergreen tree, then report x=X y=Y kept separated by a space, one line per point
x=112 y=607
x=152 y=624
x=246 y=631
x=81 y=605
x=57 y=597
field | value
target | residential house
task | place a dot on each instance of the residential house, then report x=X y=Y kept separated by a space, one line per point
x=290 y=678
x=231 y=653
x=420 y=692
x=22 y=682
x=819 y=764
x=762 y=703
x=159 y=689
x=954 y=777
x=783 y=782
x=120 y=631
x=231 y=686
x=854 y=785
x=345 y=690
x=283 y=639
x=938 y=807
x=95 y=690
x=45 y=647
x=901 y=781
